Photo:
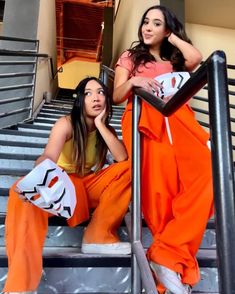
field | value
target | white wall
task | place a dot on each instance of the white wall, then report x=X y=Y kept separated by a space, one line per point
x=208 y=39
x=46 y=34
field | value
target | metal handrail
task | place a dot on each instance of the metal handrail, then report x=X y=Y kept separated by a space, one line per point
x=5 y=38
x=214 y=72
x=28 y=53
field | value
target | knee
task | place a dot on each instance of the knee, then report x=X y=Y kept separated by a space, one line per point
x=125 y=168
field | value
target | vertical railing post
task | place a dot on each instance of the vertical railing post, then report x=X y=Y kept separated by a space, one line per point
x=104 y=76
x=223 y=177
x=136 y=208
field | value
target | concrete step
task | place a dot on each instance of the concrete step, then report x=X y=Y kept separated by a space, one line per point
x=18 y=133
x=56 y=111
x=17 y=164
x=10 y=137
x=14 y=171
x=18 y=156
x=62 y=101
x=44 y=118
x=20 y=143
x=21 y=150
x=7 y=181
x=65 y=107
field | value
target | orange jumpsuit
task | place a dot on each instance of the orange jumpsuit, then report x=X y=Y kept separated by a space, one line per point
x=177 y=195
x=108 y=192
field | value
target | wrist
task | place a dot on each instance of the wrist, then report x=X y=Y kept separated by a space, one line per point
x=98 y=123
x=132 y=82
x=172 y=38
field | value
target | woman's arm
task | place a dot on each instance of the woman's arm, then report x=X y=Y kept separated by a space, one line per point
x=60 y=133
x=123 y=84
x=115 y=146
x=192 y=56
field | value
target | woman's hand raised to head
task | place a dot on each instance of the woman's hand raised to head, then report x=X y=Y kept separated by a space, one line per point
x=192 y=56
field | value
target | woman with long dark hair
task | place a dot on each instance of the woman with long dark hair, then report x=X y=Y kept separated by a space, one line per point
x=177 y=198
x=78 y=143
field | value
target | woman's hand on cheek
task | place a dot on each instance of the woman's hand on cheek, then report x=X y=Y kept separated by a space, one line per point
x=100 y=117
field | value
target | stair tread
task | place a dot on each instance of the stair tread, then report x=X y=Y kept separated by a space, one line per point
x=22 y=133
x=57 y=221
x=18 y=156
x=72 y=257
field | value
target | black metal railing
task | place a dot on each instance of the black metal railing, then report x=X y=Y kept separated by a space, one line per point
x=213 y=72
x=25 y=53
x=18 y=60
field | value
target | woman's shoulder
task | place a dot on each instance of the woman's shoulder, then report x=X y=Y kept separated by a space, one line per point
x=125 y=60
x=125 y=54
x=63 y=125
x=64 y=121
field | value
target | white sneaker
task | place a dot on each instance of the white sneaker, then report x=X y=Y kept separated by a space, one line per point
x=170 y=279
x=111 y=248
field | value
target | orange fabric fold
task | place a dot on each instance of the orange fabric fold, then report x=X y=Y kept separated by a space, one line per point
x=107 y=192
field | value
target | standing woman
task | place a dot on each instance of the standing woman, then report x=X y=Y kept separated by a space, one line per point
x=78 y=143
x=177 y=197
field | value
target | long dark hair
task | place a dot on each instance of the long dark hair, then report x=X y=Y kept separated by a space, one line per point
x=139 y=51
x=80 y=131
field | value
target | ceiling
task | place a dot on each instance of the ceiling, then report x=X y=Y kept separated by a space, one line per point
x=79 y=29
x=79 y=23
x=216 y=13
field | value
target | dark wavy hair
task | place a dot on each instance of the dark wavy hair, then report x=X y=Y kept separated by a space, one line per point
x=139 y=51
x=80 y=131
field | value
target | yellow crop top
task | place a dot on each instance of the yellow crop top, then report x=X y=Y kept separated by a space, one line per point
x=66 y=161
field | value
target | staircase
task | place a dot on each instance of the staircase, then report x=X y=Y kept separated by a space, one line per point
x=66 y=270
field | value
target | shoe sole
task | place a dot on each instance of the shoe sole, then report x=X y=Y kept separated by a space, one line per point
x=123 y=251
x=158 y=281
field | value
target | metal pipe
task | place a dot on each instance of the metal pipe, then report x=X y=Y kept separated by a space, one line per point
x=136 y=207
x=223 y=174
x=146 y=275
x=26 y=53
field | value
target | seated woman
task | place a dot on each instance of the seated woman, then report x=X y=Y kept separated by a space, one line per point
x=78 y=143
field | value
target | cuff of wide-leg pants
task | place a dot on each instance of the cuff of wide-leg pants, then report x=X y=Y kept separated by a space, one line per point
x=190 y=274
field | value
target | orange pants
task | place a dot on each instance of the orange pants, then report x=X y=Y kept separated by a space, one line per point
x=108 y=191
x=176 y=186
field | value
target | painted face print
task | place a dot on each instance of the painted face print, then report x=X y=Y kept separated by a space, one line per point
x=171 y=83
x=49 y=187
x=94 y=99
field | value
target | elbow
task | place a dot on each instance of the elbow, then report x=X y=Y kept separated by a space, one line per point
x=116 y=98
x=198 y=58
x=121 y=158
x=192 y=64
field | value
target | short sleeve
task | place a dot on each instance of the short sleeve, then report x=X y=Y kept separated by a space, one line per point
x=125 y=61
